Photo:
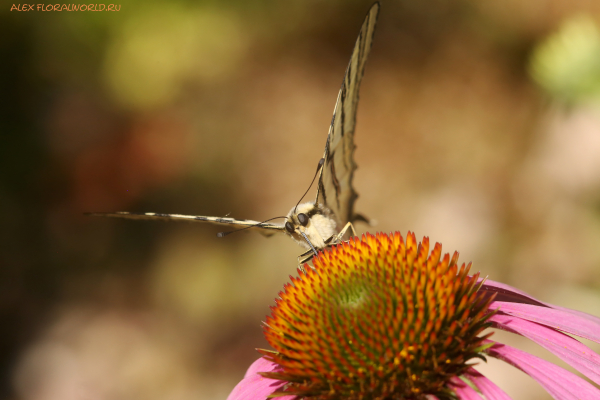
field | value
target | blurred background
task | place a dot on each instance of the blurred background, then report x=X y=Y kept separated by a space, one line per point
x=478 y=126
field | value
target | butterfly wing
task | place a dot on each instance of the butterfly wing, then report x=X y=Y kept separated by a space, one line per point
x=266 y=228
x=335 y=180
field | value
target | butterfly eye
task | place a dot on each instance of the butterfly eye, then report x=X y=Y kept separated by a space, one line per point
x=289 y=227
x=303 y=218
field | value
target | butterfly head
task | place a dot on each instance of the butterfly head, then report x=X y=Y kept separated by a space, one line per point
x=310 y=221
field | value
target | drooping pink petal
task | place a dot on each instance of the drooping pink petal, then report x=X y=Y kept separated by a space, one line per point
x=486 y=387
x=464 y=391
x=560 y=383
x=563 y=320
x=256 y=387
x=589 y=317
x=510 y=294
x=570 y=350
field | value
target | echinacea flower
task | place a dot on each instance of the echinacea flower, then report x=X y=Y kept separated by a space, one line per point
x=381 y=318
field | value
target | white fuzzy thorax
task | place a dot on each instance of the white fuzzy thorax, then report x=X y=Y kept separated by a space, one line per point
x=321 y=225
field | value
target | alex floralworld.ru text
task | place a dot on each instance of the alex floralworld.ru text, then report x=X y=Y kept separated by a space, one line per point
x=65 y=7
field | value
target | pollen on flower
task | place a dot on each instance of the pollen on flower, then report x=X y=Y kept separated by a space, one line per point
x=377 y=318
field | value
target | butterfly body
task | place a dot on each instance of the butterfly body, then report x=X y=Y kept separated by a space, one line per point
x=319 y=225
x=323 y=222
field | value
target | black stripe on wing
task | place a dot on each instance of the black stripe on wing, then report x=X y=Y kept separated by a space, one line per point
x=241 y=223
x=335 y=180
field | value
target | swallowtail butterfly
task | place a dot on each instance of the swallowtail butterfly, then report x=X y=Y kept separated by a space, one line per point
x=324 y=221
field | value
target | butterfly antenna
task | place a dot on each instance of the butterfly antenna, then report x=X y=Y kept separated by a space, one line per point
x=223 y=234
x=321 y=162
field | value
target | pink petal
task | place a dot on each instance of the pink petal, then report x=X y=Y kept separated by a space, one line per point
x=464 y=391
x=561 y=319
x=560 y=383
x=508 y=293
x=486 y=387
x=570 y=350
x=260 y=365
x=513 y=295
x=256 y=387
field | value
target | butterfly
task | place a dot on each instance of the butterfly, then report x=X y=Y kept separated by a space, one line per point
x=323 y=222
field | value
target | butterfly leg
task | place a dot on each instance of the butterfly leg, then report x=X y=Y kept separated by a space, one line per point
x=333 y=239
x=304 y=258
x=338 y=238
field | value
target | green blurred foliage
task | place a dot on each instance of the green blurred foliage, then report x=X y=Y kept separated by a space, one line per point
x=567 y=63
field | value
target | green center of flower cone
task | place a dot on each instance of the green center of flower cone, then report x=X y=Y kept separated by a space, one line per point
x=377 y=319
